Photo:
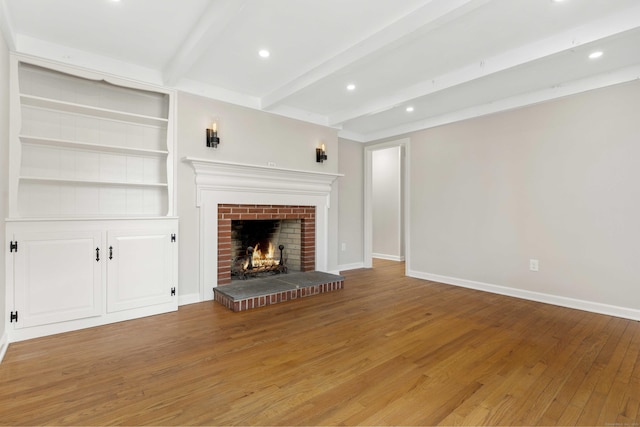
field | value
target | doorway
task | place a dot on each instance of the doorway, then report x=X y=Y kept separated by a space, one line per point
x=386 y=201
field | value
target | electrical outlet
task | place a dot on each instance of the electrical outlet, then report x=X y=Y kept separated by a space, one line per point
x=534 y=265
x=343 y=247
x=271 y=164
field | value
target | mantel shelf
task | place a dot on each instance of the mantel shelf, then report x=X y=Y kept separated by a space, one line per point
x=214 y=175
x=208 y=166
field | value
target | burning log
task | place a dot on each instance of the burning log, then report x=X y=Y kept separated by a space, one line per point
x=255 y=263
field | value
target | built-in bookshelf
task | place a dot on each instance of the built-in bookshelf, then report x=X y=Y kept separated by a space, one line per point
x=92 y=231
x=88 y=147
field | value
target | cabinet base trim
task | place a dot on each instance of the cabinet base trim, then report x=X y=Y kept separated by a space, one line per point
x=189 y=299
x=4 y=345
x=74 y=325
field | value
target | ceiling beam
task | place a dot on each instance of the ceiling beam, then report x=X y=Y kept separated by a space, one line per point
x=575 y=87
x=571 y=39
x=430 y=16
x=214 y=21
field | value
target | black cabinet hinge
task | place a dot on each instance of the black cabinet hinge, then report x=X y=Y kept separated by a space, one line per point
x=13 y=246
x=173 y=292
x=173 y=238
x=13 y=317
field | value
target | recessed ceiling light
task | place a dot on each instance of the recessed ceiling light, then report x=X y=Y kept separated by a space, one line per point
x=351 y=86
x=596 y=54
x=264 y=53
x=409 y=109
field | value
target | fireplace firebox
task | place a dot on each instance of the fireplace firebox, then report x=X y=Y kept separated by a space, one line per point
x=279 y=238
x=264 y=246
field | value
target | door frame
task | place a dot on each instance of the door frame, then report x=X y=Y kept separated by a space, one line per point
x=404 y=145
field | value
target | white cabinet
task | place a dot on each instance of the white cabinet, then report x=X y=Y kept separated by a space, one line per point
x=66 y=275
x=91 y=174
x=140 y=268
x=58 y=276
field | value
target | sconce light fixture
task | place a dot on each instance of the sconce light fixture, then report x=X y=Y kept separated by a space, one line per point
x=321 y=154
x=212 y=135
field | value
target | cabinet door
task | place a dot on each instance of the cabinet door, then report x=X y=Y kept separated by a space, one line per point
x=57 y=277
x=140 y=268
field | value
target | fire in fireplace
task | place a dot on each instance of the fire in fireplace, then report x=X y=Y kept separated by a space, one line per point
x=254 y=243
x=297 y=230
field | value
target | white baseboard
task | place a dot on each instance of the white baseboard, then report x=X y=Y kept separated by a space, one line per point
x=4 y=345
x=188 y=299
x=354 y=266
x=594 y=307
x=388 y=257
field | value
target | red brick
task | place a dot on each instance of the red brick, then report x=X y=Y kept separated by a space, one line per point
x=229 y=212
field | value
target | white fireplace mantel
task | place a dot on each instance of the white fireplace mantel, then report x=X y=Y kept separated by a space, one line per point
x=228 y=176
x=236 y=183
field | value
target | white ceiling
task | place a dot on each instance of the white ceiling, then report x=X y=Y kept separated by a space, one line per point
x=449 y=59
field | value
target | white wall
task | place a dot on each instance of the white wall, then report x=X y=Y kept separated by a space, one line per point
x=557 y=182
x=251 y=137
x=4 y=175
x=386 y=185
x=350 y=227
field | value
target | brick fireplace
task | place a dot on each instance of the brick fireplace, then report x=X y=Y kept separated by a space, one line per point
x=225 y=190
x=232 y=212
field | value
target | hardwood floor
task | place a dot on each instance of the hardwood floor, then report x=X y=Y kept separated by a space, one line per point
x=386 y=350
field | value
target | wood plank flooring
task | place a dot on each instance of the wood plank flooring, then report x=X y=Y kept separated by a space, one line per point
x=386 y=350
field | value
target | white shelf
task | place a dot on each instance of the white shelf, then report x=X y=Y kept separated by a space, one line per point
x=91 y=182
x=53 y=142
x=82 y=146
x=70 y=107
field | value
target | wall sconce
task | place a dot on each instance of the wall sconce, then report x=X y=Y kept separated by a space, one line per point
x=321 y=154
x=212 y=135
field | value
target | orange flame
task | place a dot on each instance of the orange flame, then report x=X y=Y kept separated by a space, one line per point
x=260 y=259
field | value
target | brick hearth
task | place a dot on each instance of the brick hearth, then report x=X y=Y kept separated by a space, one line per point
x=229 y=212
x=246 y=295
